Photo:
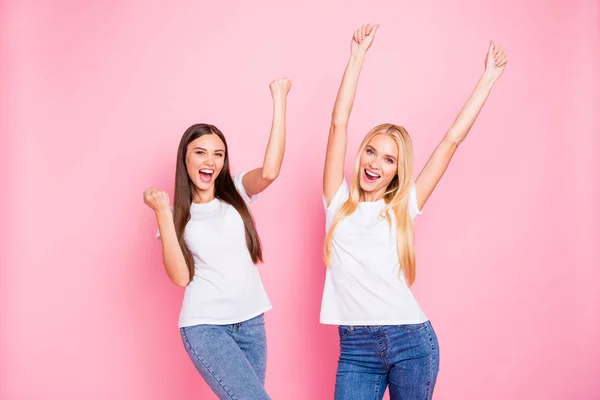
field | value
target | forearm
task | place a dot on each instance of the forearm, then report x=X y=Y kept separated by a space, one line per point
x=276 y=146
x=470 y=111
x=347 y=92
x=173 y=259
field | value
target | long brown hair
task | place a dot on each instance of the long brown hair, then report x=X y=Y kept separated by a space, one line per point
x=225 y=190
x=396 y=199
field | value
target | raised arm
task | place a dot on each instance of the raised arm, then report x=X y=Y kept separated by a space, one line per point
x=333 y=173
x=173 y=259
x=259 y=179
x=438 y=162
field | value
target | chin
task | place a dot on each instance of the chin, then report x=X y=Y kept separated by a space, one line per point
x=365 y=187
x=202 y=186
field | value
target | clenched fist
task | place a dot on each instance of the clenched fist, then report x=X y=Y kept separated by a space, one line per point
x=157 y=200
x=280 y=87
x=495 y=60
x=363 y=38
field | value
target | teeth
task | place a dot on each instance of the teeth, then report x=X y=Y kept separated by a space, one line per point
x=371 y=174
x=207 y=171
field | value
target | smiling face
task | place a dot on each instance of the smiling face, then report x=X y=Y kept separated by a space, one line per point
x=378 y=165
x=204 y=161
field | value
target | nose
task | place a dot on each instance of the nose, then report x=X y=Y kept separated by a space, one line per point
x=210 y=161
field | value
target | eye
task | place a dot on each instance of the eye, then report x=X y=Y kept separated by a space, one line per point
x=200 y=152
x=370 y=151
x=389 y=160
x=219 y=154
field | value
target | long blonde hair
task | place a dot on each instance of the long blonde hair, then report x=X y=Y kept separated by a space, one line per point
x=396 y=198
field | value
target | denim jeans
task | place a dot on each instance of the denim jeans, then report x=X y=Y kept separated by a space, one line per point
x=405 y=357
x=232 y=359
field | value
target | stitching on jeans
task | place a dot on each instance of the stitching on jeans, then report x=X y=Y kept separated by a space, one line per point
x=385 y=348
x=431 y=362
x=378 y=387
x=206 y=365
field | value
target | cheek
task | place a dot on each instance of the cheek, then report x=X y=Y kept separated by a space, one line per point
x=364 y=159
x=192 y=163
x=389 y=170
x=219 y=162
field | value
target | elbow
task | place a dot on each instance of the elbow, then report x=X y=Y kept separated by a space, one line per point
x=178 y=274
x=181 y=282
x=454 y=140
x=270 y=175
x=338 y=121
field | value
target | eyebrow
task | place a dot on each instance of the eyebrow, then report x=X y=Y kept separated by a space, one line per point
x=202 y=148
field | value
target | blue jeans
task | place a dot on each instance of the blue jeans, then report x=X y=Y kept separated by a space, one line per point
x=232 y=359
x=405 y=357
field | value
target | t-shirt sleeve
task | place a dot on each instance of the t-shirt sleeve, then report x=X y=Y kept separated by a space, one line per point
x=239 y=185
x=413 y=205
x=339 y=198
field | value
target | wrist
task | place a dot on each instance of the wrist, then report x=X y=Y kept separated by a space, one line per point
x=489 y=77
x=279 y=98
x=358 y=55
x=163 y=211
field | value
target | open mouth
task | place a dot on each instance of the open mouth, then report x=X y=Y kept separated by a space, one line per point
x=371 y=177
x=206 y=175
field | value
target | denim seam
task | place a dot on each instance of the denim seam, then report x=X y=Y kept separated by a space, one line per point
x=431 y=361
x=206 y=365
x=378 y=387
x=348 y=332
x=382 y=349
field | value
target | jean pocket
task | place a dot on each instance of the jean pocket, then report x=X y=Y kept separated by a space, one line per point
x=345 y=330
x=413 y=327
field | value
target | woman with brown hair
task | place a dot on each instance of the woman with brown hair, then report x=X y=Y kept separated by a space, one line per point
x=211 y=247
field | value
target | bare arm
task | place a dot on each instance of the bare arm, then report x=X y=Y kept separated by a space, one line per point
x=437 y=164
x=333 y=173
x=173 y=259
x=259 y=179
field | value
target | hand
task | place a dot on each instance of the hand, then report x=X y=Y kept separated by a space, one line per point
x=495 y=61
x=280 y=87
x=363 y=38
x=156 y=199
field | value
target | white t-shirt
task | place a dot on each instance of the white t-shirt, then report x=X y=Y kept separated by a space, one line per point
x=226 y=288
x=364 y=284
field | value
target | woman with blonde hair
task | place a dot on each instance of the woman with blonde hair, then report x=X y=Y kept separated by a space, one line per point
x=385 y=338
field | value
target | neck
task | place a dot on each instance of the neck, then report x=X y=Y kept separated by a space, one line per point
x=374 y=195
x=203 y=196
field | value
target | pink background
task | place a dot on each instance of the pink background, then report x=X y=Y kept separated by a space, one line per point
x=95 y=97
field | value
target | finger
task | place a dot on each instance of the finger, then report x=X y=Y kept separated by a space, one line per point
x=374 y=30
x=362 y=32
x=491 y=49
x=499 y=56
